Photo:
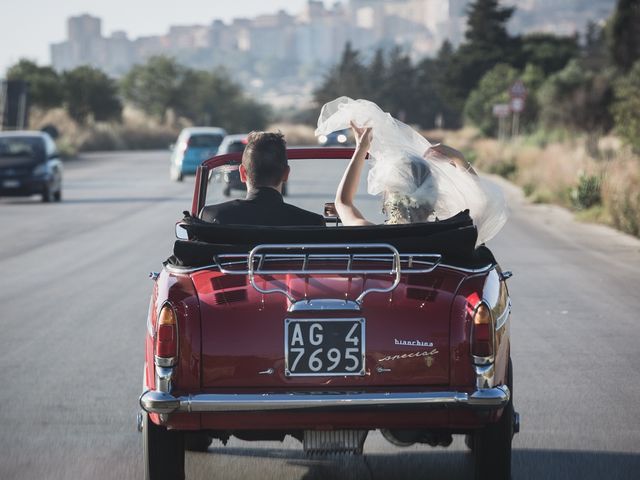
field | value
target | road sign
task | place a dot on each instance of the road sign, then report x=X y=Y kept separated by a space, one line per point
x=516 y=105
x=518 y=90
x=501 y=110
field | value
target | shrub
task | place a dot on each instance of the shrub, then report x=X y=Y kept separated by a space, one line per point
x=587 y=193
x=578 y=99
x=626 y=109
x=492 y=89
x=505 y=168
x=621 y=194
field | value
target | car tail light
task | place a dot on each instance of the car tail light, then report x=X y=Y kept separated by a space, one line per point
x=166 y=341
x=482 y=337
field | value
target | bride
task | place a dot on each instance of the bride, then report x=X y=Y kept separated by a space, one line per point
x=418 y=181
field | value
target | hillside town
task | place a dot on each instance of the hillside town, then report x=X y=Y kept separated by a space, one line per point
x=289 y=52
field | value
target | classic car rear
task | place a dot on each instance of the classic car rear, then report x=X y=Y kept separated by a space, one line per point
x=327 y=333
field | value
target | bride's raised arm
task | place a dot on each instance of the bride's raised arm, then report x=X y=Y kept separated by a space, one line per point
x=348 y=186
x=453 y=156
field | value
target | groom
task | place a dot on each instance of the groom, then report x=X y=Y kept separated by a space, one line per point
x=264 y=169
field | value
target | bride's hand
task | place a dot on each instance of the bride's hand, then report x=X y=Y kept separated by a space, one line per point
x=362 y=136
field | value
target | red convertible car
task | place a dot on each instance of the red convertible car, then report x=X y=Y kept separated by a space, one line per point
x=325 y=334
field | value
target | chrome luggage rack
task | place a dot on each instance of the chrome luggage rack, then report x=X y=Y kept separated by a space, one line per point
x=349 y=259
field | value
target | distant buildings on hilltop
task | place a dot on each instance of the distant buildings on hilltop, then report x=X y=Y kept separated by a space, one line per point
x=284 y=52
x=316 y=35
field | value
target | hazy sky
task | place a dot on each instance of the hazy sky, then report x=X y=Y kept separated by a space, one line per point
x=27 y=27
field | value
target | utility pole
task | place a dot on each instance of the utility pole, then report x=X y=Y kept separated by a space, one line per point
x=518 y=94
x=501 y=111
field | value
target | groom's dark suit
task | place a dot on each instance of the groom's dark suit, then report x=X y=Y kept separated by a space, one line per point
x=263 y=206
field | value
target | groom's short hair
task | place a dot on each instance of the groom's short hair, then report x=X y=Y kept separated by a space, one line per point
x=265 y=158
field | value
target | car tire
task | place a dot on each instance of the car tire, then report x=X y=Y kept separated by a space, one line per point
x=492 y=444
x=197 y=441
x=47 y=195
x=468 y=441
x=176 y=176
x=163 y=452
x=57 y=197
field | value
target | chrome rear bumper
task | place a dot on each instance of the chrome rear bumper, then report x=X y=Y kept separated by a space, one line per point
x=159 y=402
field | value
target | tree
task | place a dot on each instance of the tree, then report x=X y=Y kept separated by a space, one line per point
x=533 y=77
x=45 y=85
x=487 y=43
x=375 y=75
x=625 y=34
x=399 y=88
x=549 y=52
x=493 y=88
x=89 y=92
x=438 y=86
x=432 y=110
x=154 y=87
x=595 y=54
x=626 y=109
x=212 y=98
x=348 y=78
x=487 y=24
x=577 y=99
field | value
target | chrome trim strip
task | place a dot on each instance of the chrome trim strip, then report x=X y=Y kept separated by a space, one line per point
x=504 y=316
x=482 y=361
x=484 y=269
x=484 y=376
x=165 y=362
x=324 y=304
x=164 y=403
x=177 y=270
x=163 y=379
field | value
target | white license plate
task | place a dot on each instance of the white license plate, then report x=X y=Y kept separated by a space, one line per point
x=328 y=346
x=10 y=183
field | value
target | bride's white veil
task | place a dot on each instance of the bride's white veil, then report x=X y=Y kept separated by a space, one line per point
x=395 y=146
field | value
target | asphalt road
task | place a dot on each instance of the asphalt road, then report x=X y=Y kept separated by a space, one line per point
x=74 y=297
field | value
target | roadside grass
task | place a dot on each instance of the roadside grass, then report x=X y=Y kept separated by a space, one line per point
x=137 y=131
x=295 y=134
x=600 y=184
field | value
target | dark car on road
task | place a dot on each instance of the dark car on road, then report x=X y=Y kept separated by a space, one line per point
x=235 y=144
x=30 y=165
x=339 y=138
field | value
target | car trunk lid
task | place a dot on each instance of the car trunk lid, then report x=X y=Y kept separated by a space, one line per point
x=248 y=336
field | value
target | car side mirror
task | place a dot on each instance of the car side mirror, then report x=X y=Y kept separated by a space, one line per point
x=181 y=232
